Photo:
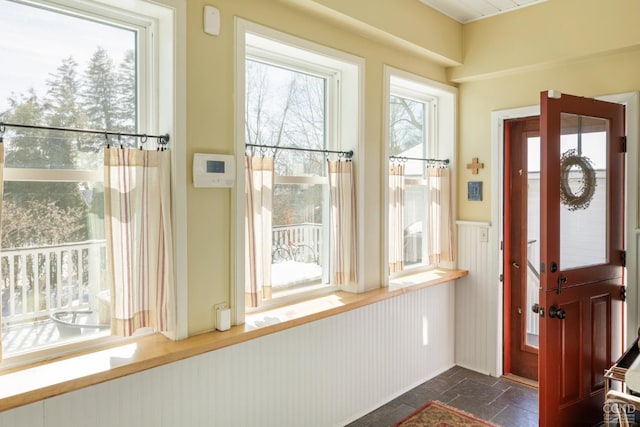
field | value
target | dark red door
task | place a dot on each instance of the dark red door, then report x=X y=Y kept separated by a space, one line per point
x=521 y=250
x=582 y=244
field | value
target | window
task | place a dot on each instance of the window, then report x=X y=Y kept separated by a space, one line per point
x=410 y=136
x=295 y=99
x=420 y=146
x=76 y=66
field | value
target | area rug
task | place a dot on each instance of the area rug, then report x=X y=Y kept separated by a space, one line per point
x=437 y=414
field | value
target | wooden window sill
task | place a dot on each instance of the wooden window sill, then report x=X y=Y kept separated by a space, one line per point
x=38 y=381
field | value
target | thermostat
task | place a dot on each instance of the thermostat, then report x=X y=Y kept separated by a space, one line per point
x=213 y=170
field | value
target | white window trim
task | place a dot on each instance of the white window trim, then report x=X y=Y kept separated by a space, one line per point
x=444 y=135
x=349 y=91
x=165 y=60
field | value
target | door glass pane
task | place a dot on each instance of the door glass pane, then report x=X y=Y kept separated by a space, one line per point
x=583 y=191
x=533 y=239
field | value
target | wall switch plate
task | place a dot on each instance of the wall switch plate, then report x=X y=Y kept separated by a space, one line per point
x=484 y=235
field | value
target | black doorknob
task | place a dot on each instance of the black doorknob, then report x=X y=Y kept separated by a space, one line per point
x=557 y=312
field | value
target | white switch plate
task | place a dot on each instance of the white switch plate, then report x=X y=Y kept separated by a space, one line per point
x=484 y=235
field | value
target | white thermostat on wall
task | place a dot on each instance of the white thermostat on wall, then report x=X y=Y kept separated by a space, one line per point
x=213 y=170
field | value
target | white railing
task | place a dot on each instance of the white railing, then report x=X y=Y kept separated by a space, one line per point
x=34 y=282
x=297 y=242
x=533 y=287
x=37 y=281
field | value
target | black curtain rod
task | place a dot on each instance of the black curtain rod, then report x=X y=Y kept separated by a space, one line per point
x=162 y=139
x=347 y=154
x=404 y=159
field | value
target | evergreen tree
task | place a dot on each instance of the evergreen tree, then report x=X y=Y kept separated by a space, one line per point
x=37 y=213
x=62 y=110
x=62 y=96
x=126 y=93
x=99 y=92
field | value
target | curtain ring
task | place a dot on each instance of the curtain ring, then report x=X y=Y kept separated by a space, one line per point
x=2 y=129
x=106 y=139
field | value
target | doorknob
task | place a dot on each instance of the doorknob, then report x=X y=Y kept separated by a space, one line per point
x=515 y=264
x=540 y=310
x=557 y=312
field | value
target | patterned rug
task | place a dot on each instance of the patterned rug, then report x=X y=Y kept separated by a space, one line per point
x=436 y=414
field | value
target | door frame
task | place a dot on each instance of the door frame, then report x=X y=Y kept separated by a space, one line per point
x=632 y=232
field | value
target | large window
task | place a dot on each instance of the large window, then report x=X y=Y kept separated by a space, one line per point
x=70 y=69
x=287 y=107
x=420 y=149
x=295 y=99
x=410 y=137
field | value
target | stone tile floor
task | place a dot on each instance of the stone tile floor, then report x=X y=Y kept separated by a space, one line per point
x=501 y=401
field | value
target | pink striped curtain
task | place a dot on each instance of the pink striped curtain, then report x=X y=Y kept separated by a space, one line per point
x=259 y=179
x=440 y=244
x=343 y=222
x=1 y=196
x=137 y=200
x=396 y=217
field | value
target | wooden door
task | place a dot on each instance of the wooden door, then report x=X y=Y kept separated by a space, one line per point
x=522 y=240
x=582 y=255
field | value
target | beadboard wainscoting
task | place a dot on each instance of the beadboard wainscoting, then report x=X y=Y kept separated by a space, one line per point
x=324 y=373
x=478 y=300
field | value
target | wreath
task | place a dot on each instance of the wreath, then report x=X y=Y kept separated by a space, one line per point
x=585 y=182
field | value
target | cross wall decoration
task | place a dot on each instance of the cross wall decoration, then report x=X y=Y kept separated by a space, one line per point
x=475 y=166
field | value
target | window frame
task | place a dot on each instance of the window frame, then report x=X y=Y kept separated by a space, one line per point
x=429 y=150
x=442 y=134
x=344 y=125
x=161 y=71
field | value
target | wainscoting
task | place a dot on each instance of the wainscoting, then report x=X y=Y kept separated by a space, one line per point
x=324 y=373
x=477 y=298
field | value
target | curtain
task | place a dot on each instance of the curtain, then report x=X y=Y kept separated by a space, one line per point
x=396 y=217
x=440 y=244
x=137 y=200
x=343 y=222
x=1 y=198
x=259 y=177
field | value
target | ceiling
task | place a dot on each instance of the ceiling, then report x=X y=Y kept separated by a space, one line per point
x=471 y=10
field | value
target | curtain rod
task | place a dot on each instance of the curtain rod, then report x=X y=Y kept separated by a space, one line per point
x=347 y=154
x=404 y=159
x=162 y=139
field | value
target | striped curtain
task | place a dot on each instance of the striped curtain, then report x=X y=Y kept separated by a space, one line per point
x=343 y=222
x=259 y=179
x=1 y=198
x=440 y=244
x=396 y=217
x=137 y=197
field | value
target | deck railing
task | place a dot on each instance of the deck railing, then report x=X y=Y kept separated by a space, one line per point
x=37 y=281
x=297 y=242
x=34 y=282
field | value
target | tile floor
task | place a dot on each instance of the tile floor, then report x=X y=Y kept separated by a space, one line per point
x=501 y=401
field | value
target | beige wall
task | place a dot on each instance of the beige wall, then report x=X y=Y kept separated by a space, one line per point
x=210 y=111
x=580 y=47
x=584 y=47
